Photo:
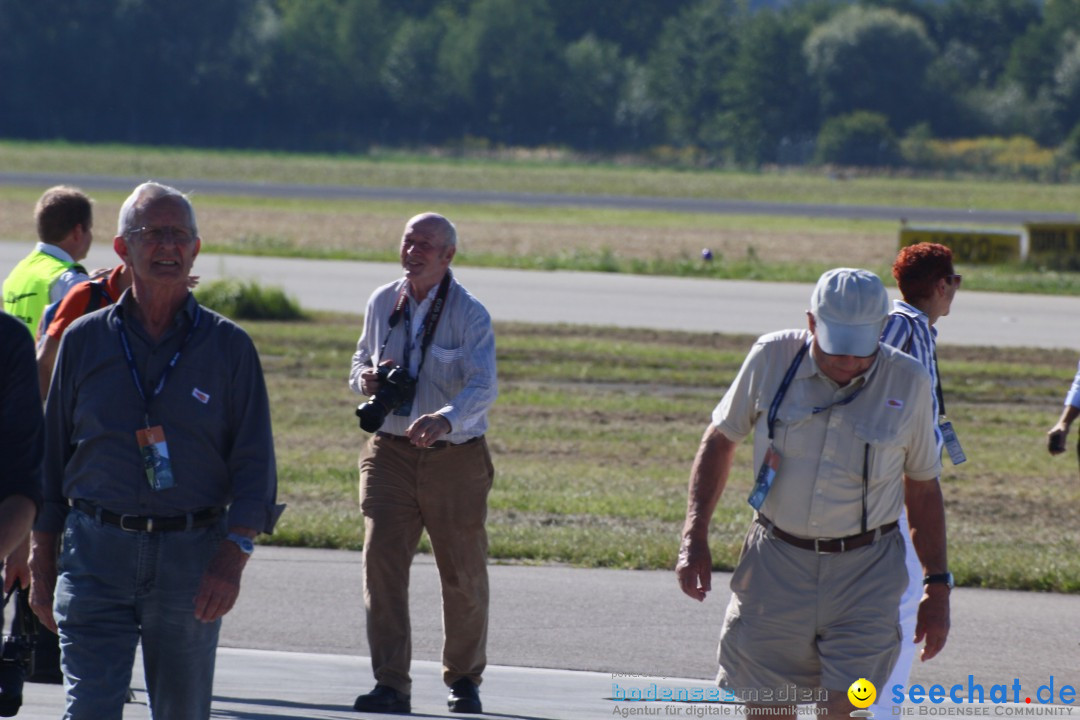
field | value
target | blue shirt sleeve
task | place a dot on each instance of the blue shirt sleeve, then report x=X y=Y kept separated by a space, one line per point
x=22 y=433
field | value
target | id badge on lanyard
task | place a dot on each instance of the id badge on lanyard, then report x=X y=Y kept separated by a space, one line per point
x=952 y=443
x=155 y=455
x=765 y=476
x=770 y=465
x=153 y=448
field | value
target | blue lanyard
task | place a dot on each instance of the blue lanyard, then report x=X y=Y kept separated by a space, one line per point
x=778 y=398
x=125 y=345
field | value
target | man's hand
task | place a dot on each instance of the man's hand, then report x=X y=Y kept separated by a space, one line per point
x=1055 y=439
x=1057 y=435
x=427 y=430
x=694 y=568
x=369 y=378
x=933 y=620
x=17 y=566
x=43 y=551
x=220 y=584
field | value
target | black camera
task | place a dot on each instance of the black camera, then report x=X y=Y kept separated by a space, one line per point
x=396 y=387
x=16 y=656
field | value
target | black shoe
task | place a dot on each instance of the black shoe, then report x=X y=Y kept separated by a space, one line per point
x=464 y=697
x=383 y=699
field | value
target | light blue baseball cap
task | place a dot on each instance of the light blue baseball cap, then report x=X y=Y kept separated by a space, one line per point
x=849 y=307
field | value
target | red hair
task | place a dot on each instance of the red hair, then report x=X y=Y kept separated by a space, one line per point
x=918 y=268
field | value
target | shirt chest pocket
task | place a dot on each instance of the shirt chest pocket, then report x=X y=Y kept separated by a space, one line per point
x=879 y=448
x=445 y=368
x=447 y=355
x=795 y=434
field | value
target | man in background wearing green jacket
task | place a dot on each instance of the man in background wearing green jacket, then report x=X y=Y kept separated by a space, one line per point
x=64 y=218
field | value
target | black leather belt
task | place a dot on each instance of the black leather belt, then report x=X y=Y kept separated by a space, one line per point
x=139 y=523
x=831 y=545
x=437 y=444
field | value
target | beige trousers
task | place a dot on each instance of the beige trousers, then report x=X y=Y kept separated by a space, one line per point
x=403 y=490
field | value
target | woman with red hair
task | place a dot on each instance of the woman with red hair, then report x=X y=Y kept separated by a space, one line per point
x=924 y=273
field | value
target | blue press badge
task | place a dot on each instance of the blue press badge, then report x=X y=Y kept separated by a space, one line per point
x=952 y=443
x=766 y=474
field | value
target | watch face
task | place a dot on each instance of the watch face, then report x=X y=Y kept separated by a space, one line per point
x=244 y=543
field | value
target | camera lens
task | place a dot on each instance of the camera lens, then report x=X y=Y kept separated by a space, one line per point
x=371 y=414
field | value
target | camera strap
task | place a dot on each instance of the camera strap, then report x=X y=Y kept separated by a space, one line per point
x=427 y=328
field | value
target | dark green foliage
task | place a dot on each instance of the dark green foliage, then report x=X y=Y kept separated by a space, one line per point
x=870 y=59
x=716 y=81
x=861 y=138
x=240 y=300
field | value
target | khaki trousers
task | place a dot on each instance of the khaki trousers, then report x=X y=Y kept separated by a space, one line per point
x=403 y=490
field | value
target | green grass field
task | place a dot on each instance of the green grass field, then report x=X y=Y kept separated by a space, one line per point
x=538 y=171
x=542 y=238
x=595 y=429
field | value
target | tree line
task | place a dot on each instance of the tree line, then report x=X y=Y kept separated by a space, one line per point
x=738 y=81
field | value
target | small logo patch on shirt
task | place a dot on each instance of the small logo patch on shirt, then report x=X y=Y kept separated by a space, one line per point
x=894 y=403
x=199 y=395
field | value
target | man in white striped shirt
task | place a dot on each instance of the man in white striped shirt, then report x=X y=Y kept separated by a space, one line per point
x=427 y=465
x=924 y=273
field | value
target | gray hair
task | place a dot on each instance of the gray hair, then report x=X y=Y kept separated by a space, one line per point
x=445 y=227
x=144 y=195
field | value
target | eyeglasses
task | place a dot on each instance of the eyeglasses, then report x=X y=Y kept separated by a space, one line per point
x=161 y=235
x=954 y=279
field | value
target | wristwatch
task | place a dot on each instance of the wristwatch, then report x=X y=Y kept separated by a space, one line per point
x=244 y=543
x=944 y=578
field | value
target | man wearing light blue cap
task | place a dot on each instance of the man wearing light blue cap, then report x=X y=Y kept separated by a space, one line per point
x=843 y=438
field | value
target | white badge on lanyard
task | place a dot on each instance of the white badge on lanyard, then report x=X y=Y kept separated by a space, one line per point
x=952 y=443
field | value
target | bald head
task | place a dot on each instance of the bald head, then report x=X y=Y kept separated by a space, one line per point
x=427 y=247
x=434 y=225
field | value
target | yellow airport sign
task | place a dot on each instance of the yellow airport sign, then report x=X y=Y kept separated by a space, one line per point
x=1055 y=245
x=969 y=246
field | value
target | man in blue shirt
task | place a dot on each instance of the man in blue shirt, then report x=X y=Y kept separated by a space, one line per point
x=21 y=435
x=159 y=471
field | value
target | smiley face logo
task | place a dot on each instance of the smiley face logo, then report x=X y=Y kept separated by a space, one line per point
x=862 y=693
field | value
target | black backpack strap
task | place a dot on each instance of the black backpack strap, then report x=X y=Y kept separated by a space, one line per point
x=99 y=297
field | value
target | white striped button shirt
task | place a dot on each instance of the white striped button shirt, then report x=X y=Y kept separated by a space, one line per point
x=908 y=330
x=1073 y=396
x=457 y=379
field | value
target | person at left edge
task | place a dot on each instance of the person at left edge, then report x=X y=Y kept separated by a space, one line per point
x=21 y=435
x=149 y=555
x=64 y=217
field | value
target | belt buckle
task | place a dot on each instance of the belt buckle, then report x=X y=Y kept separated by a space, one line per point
x=819 y=551
x=149 y=523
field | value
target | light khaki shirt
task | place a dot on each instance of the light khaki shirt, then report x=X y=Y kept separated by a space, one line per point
x=888 y=427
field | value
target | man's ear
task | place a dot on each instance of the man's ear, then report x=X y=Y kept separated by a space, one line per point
x=810 y=323
x=120 y=247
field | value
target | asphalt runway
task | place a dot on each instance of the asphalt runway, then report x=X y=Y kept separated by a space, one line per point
x=451 y=196
x=563 y=643
x=608 y=299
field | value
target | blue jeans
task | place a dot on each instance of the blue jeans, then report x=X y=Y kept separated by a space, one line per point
x=115 y=587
